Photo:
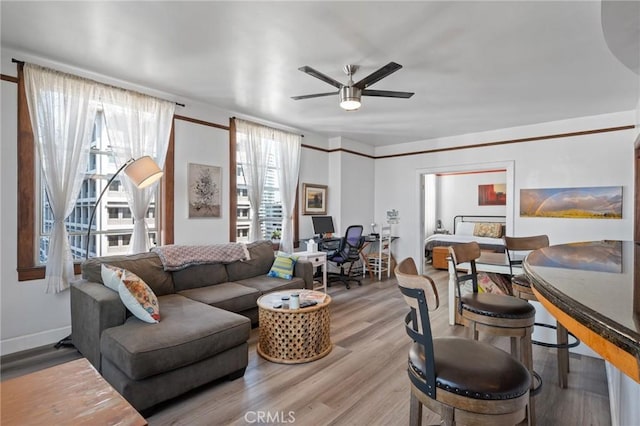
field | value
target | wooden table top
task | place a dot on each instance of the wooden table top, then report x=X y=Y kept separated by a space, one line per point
x=73 y=393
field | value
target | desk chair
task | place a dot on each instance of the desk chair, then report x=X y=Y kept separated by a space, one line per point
x=348 y=252
x=462 y=380
x=496 y=314
x=522 y=288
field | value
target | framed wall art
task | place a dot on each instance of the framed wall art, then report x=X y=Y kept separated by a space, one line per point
x=205 y=190
x=494 y=194
x=314 y=199
x=600 y=202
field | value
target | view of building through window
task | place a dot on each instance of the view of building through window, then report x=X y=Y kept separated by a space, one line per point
x=271 y=208
x=112 y=225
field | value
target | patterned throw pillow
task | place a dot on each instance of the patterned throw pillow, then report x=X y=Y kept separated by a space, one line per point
x=486 y=285
x=111 y=276
x=138 y=297
x=283 y=266
x=491 y=230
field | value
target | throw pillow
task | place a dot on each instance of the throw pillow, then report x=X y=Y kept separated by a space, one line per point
x=491 y=230
x=283 y=266
x=486 y=285
x=138 y=297
x=111 y=276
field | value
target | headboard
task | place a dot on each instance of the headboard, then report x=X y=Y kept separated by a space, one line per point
x=469 y=218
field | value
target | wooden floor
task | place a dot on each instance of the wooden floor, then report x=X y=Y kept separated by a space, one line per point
x=362 y=381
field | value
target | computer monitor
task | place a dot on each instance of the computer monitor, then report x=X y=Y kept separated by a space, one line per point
x=322 y=225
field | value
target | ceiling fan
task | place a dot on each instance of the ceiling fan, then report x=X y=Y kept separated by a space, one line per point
x=351 y=93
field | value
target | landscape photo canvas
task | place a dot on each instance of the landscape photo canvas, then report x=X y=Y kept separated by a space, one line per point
x=604 y=202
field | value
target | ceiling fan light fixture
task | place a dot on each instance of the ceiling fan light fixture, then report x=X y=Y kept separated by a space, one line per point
x=350 y=98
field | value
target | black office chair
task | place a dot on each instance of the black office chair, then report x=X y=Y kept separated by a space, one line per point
x=348 y=252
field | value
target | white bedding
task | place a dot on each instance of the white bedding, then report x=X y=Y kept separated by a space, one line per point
x=463 y=239
x=464 y=234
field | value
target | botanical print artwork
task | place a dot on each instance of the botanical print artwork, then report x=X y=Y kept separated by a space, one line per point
x=586 y=203
x=205 y=188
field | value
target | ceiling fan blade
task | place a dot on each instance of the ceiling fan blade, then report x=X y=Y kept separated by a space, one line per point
x=319 y=75
x=315 y=95
x=375 y=76
x=387 y=93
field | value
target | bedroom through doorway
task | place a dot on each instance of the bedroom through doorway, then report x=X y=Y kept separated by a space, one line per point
x=463 y=190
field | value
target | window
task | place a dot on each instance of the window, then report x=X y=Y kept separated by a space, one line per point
x=113 y=217
x=271 y=208
x=30 y=248
x=270 y=213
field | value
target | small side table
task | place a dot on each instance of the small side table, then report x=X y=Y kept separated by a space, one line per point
x=317 y=258
x=293 y=336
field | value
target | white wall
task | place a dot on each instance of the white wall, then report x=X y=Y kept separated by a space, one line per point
x=458 y=195
x=200 y=144
x=601 y=159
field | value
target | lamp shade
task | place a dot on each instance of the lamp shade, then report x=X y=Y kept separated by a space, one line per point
x=143 y=171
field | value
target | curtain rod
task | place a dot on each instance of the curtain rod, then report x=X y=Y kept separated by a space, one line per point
x=16 y=61
x=302 y=136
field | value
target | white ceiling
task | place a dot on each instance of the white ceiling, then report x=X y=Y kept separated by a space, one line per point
x=473 y=66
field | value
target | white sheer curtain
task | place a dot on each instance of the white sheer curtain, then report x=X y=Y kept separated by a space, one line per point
x=62 y=109
x=288 y=147
x=254 y=150
x=137 y=125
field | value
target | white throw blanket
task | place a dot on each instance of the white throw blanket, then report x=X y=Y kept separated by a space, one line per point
x=177 y=257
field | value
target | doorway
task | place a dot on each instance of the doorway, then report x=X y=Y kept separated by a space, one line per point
x=432 y=212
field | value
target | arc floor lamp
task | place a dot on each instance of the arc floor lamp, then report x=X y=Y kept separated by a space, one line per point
x=142 y=172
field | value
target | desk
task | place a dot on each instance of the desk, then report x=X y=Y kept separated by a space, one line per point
x=317 y=259
x=487 y=262
x=72 y=393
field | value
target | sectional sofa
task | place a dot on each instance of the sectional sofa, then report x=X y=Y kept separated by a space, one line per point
x=206 y=310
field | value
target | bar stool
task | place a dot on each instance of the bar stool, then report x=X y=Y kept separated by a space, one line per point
x=496 y=314
x=516 y=249
x=462 y=380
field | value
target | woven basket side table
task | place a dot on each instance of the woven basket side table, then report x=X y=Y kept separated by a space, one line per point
x=293 y=336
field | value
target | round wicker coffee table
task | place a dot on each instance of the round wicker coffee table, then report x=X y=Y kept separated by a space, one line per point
x=293 y=336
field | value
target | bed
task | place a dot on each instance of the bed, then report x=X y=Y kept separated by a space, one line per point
x=485 y=230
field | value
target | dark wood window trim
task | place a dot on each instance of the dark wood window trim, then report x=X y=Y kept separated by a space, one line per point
x=233 y=190
x=26 y=244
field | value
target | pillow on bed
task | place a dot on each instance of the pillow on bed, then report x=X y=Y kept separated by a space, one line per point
x=465 y=228
x=491 y=230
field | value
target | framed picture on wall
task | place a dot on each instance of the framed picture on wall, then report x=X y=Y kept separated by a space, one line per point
x=314 y=199
x=494 y=194
x=204 y=186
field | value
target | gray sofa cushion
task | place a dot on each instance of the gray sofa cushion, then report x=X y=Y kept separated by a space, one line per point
x=262 y=258
x=266 y=284
x=228 y=296
x=188 y=332
x=145 y=265
x=199 y=276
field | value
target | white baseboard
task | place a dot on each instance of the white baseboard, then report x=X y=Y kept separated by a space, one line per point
x=31 y=341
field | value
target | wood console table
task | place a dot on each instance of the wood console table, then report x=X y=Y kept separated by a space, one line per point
x=72 y=393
